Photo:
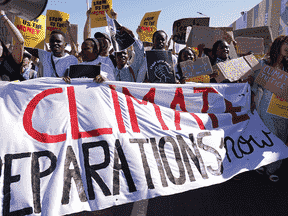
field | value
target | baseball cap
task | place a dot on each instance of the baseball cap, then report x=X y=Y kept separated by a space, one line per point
x=101 y=35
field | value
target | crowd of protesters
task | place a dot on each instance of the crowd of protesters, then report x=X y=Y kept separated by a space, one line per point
x=26 y=63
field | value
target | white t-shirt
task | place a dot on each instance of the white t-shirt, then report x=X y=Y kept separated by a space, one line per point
x=106 y=70
x=61 y=64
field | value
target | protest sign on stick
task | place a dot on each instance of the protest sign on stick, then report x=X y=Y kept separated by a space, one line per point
x=201 y=66
x=274 y=80
x=247 y=44
x=148 y=26
x=33 y=31
x=160 y=67
x=99 y=8
x=55 y=20
x=203 y=34
x=232 y=70
x=180 y=27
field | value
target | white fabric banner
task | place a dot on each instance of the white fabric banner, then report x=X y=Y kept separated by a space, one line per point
x=86 y=146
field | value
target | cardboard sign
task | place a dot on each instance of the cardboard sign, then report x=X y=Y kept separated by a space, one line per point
x=55 y=20
x=84 y=71
x=278 y=106
x=201 y=66
x=232 y=70
x=203 y=34
x=99 y=8
x=160 y=67
x=258 y=32
x=199 y=79
x=33 y=31
x=120 y=40
x=246 y=44
x=232 y=51
x=180 y=27
x=148 y=26
x=253 y=62
x=274 y=80
x=74 y=33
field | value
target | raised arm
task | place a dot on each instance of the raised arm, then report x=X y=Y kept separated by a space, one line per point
x=87 y=27
x=70 y=38
x=18 y=48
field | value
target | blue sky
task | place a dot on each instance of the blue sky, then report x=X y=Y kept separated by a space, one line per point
x=130 y=12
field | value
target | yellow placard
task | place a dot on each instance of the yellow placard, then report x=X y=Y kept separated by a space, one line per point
x=200 y=79
x=55 y=20
x=33 y=31
x=148 y=26
x=278 y=106
x=99 y=8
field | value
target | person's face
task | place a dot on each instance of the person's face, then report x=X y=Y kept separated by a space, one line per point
x=284 y=51
x=88 y=53
x=223 y=50
x=159 y=41
x=57 y=44
x=104 y=44
x=26 y=61
x=187 y=55
x=121 y=58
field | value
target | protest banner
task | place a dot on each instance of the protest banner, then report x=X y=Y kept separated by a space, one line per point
x=274 y=80
x=247 y=44
x=232 y=70
x=258 y=32
x=33 y=31
x=60 y=155
x=201 y=66
x=203 y=34
x=253 y=62
x=99 y=8
x=278 y=106
x=84 y=71
x=160 y=66
x=121 y=40
x=148 y=26
x=180 y=27
x=55 y=20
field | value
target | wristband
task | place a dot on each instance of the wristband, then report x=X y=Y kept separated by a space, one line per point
x=2 y=16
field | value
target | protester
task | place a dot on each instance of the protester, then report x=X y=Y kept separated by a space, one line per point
x=56 y=62
x=11 y=61
x=278 y=59
x=26 y=69
x=125 y=72
x=185 y=54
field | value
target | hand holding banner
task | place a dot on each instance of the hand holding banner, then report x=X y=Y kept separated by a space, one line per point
x=148 y=26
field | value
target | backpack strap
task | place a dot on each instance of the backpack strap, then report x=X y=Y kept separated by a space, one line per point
x=132 y=72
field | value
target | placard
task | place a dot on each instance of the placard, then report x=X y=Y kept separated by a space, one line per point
x=84 y=71
x=180 y=27
x=160 y=67
x=55 y=20
x=253 y=62
x=258 y=32
x=201 y=66
x=33 y=31
x=232 y=70
x=274 y=80
x=278 y=107
x=203 y=34
x=99 y=8
x=148 y=26
x=246 y=44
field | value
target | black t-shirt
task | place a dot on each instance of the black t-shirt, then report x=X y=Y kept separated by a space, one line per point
x=10 y=68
